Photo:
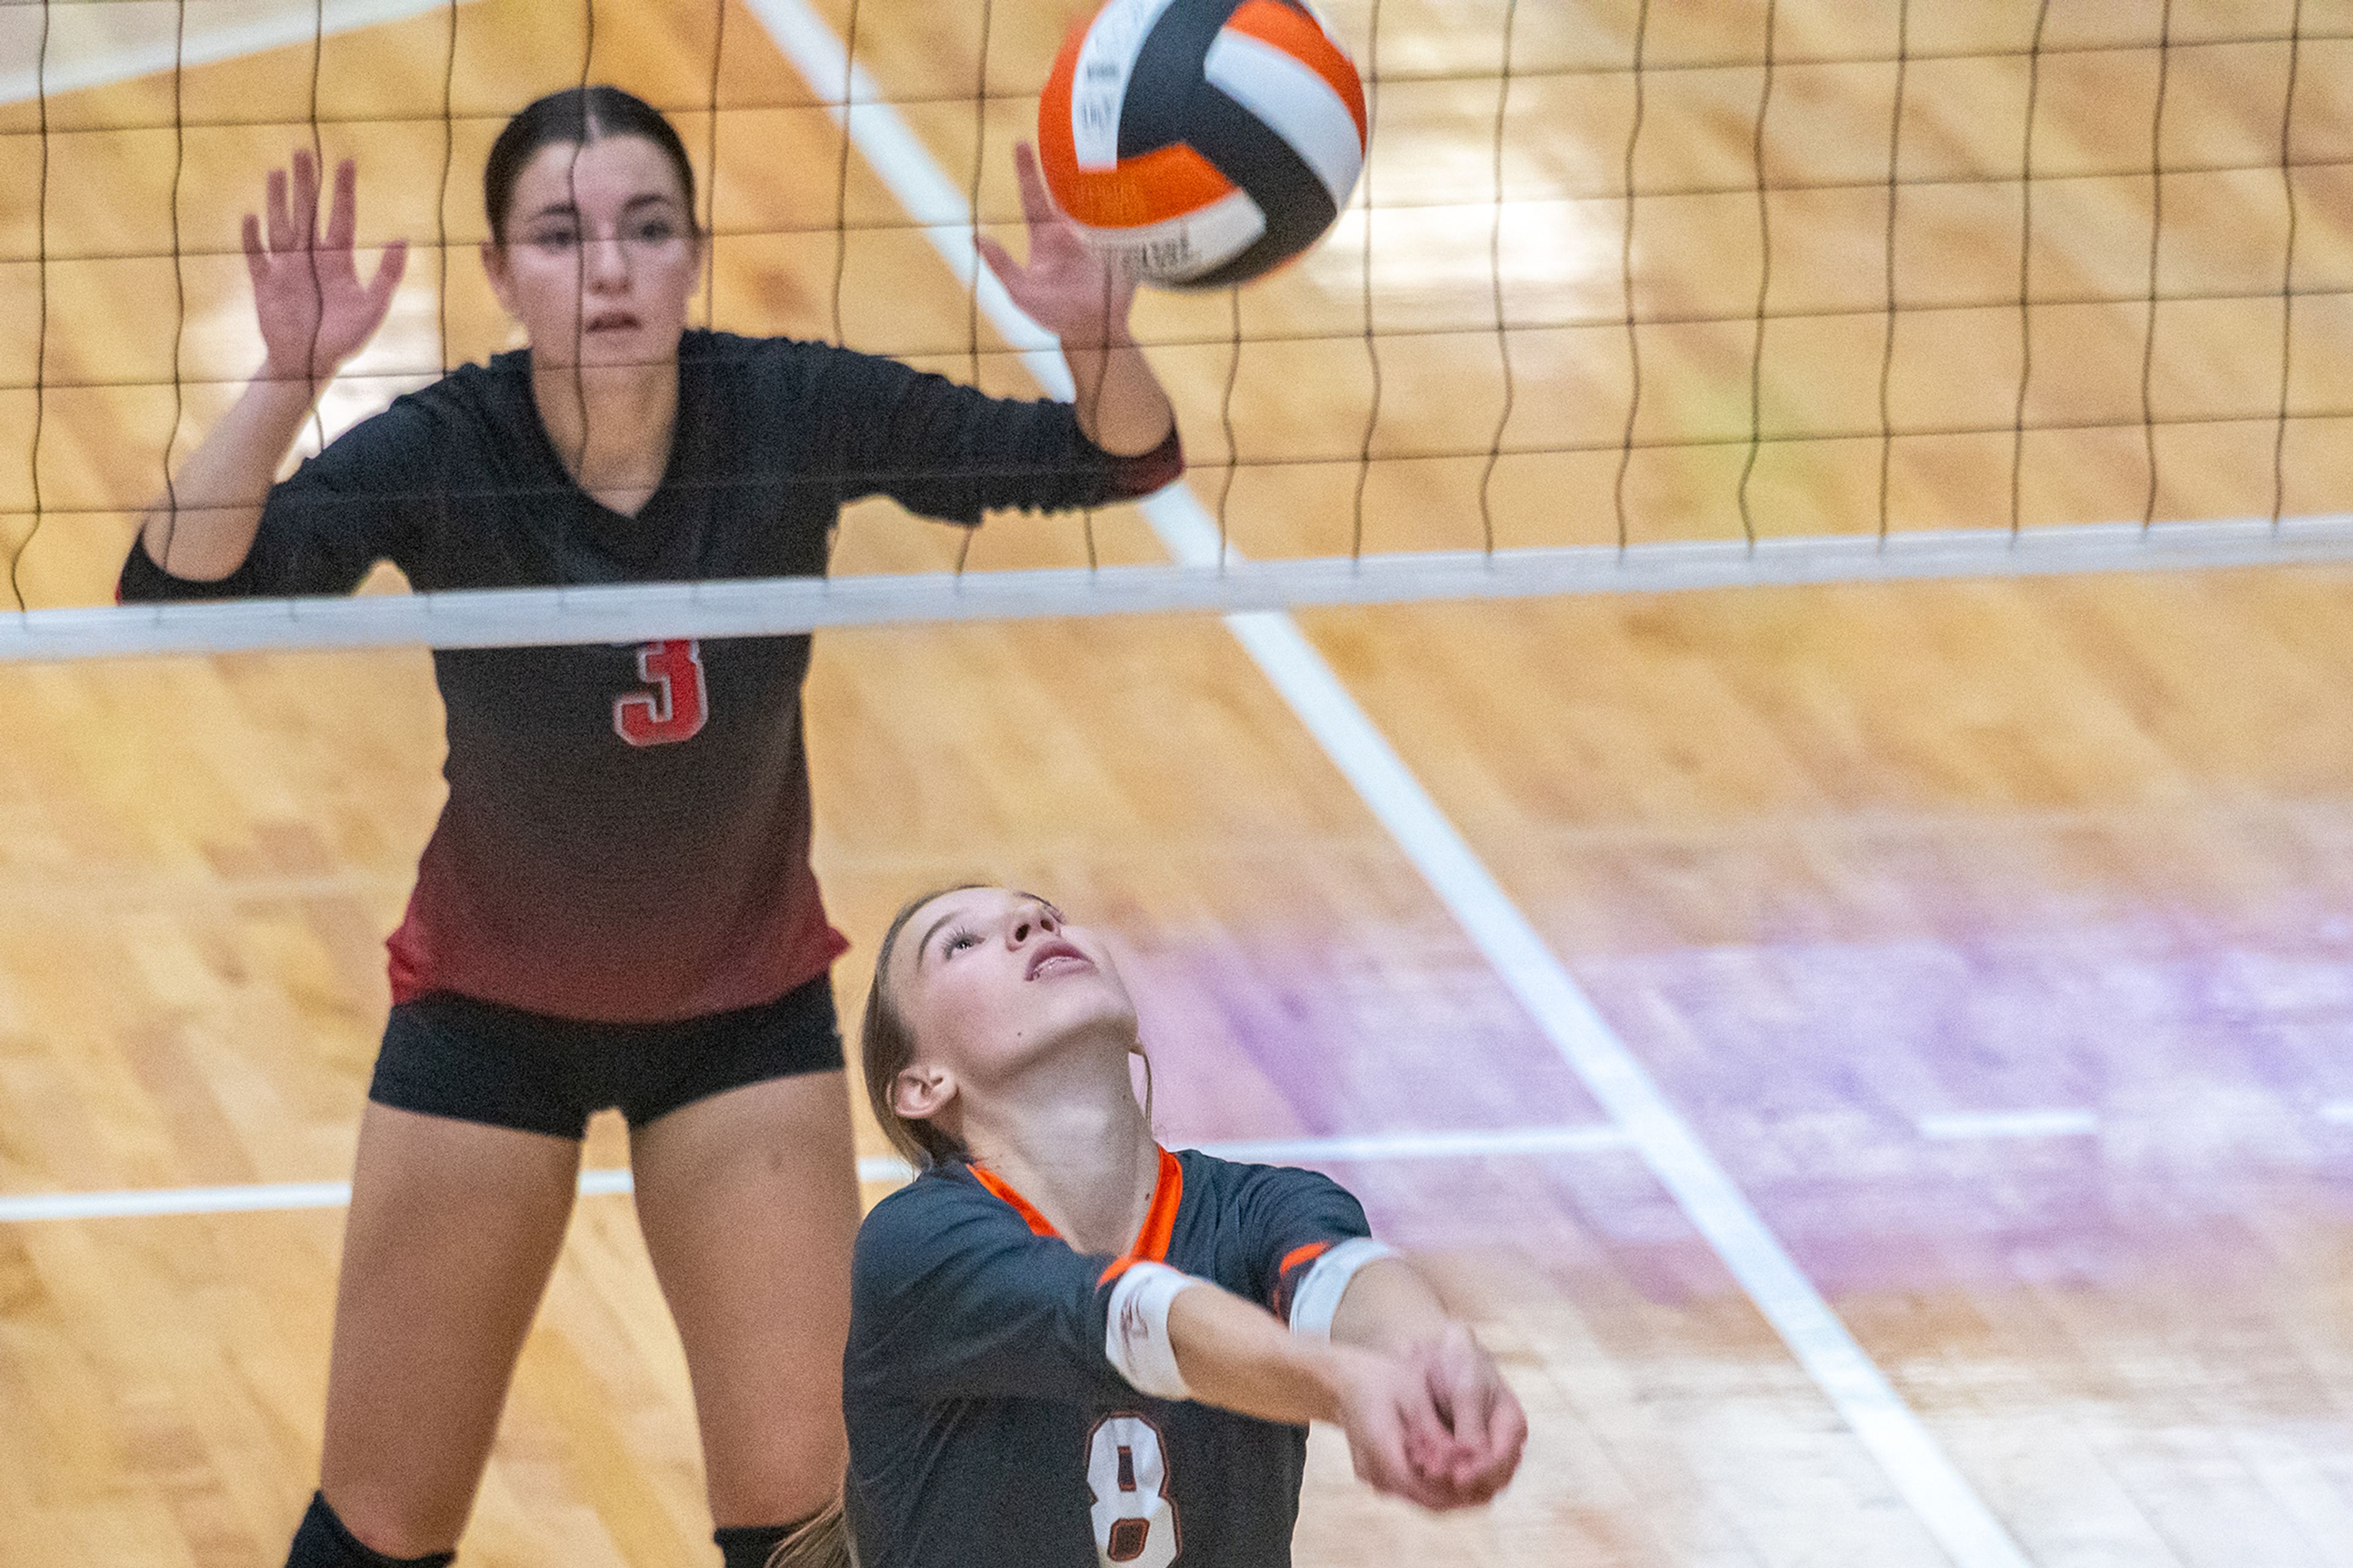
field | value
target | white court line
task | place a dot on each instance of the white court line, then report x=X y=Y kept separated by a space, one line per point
x=93 y=45
x=2010 y=1124
x=1922 y=1472
x=143 y=1202
x=271 y=1198
x=1424 y=1145
x=2341 y=1112
x=604 y=1181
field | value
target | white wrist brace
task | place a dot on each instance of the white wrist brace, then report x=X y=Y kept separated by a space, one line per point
x=1137 y=1337
x=1317 y=1300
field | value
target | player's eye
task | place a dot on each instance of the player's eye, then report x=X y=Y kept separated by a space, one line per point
x=958 y=940
x=556 y=237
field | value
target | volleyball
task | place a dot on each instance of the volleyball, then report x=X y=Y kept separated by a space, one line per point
x=1202 y=143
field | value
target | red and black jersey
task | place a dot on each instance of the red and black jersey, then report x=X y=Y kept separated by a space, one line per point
x=627 y=832
x=988 y=1426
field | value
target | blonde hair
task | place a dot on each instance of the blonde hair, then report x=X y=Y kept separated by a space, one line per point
x=823 y=1542
x=888 y=1047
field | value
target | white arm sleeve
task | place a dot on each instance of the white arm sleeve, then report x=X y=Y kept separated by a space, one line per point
x=1137 y=1337
x=1317 y=1300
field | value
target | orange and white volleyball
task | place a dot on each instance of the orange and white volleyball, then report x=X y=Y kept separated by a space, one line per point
x=1202 y=143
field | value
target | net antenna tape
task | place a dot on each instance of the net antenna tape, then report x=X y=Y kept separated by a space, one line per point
x=785 y=605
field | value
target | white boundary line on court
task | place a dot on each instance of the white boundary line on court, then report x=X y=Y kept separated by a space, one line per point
x=2339 y=1111
x=271 y=1198
x=1922 y=1472
x=208 y=42
x=2054 y=1124
x=770 y=607
x=1381 y=1146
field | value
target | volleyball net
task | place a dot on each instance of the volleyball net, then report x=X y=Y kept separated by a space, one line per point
x=1630 y=298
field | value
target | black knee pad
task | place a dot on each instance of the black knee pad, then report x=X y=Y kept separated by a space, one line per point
x=322 y=1541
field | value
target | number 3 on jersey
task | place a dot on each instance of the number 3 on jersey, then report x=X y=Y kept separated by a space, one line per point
x=674 y=709
x=1127 y=1474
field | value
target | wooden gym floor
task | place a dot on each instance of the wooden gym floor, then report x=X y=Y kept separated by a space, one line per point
x=1996 y=940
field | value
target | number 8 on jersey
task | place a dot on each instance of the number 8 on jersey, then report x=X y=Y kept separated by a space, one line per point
x=1127 y=1474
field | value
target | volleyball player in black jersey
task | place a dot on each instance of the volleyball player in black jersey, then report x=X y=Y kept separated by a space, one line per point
x=1070 y=1346
x=617 y=907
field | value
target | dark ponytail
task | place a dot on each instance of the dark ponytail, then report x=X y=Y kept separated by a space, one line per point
x=576 y=116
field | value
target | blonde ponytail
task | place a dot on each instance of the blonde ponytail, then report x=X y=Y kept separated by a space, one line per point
x=821 y=1541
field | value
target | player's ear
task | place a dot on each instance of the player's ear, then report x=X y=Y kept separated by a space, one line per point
x=922 y=1090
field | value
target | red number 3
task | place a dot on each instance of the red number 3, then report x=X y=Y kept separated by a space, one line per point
x=674 y=709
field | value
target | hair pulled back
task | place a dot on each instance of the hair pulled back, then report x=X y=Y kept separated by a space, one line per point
x=575 y=116
x=888 y=1047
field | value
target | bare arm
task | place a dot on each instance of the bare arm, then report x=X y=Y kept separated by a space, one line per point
x=315 y=314
x=1389 y=1308
x=1068 y=289
x=1121 y=404
x=220 y=488
x=1238 y=1356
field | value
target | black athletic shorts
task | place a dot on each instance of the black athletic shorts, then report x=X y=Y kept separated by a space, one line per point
x=476 y=1061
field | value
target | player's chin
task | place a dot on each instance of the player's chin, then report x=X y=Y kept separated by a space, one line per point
x=1082 y=1011
x=1098 y=1006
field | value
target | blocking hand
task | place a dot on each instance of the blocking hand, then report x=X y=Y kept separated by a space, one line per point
x=315 y=313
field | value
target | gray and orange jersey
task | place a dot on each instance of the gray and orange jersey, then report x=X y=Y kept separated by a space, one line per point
x=991 y=1424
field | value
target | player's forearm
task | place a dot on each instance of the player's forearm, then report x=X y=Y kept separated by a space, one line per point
x=1121 y=404
x=1238 y=1356
x=203 y=529
x=1388 y=1307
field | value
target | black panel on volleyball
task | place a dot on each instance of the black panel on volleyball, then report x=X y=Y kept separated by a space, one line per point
x=1171 y=53
x=1296 y=207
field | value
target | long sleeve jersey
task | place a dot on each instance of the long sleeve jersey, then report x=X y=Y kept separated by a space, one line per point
x=990 y=1427
x=627 y=832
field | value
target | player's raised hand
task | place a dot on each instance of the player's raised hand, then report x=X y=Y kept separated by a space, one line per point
x=1488 y=1428
x=315 y=312
x=1064 y=287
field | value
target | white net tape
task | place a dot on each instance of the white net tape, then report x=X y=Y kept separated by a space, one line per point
x=763 y=607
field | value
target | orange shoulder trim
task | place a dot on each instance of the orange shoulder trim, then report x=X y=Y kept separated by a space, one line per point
x=1299 y=1255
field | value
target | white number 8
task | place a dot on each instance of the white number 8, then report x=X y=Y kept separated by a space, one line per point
x=1127 y=1474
